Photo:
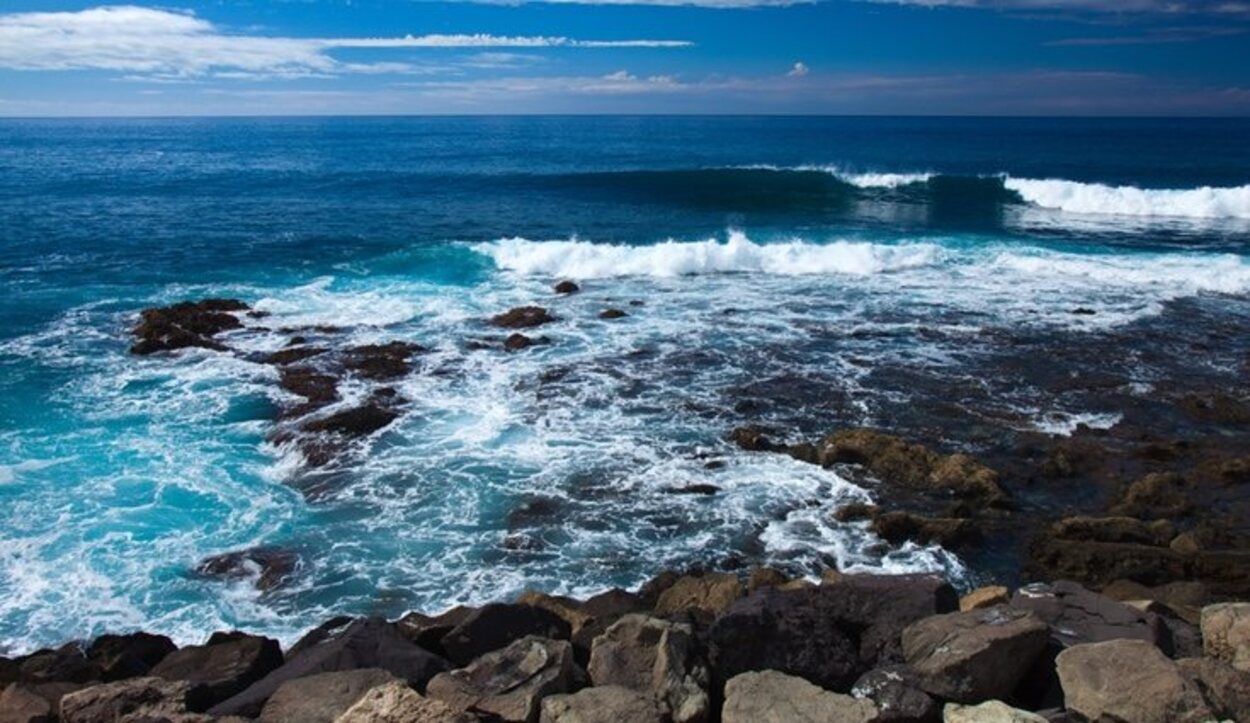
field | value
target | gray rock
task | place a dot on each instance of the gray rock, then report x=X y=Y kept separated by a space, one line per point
x=972 y=656
x=1076 y=615
x=602 y=704
x=19 y=704
x=1226 y=633
x=111 y=702
x=896 y=691
x=1128 y=680
x=222 y=667
x=992 y=711
x=508 y=684
x=1226 y=689
x=397 y=703
x=657 y=657
x=772 y=697
x=323 y=697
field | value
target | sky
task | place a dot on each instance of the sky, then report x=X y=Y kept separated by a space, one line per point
x=906 y=57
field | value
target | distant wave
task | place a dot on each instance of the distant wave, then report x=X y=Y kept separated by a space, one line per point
x=1096 y=198
x=583 y=259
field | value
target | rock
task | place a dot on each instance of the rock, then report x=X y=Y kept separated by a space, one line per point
x=128 y=656
x=19 y=704
x=1226 y=633
x=522 y=317
x=896 y=691
x=911 y=465
x=601 y=704
x=382 y=361
x=359 y=421
x=67 y=663
x=397 y=703
x=984 y=597
x=328 y=630
x=879 y=607
x=992 y=711
x=566 y=287
x=651 y=590
x=318 y=388
x=519 y=341
x=657 y=657
x=494 y=626
x=967 y=657
x=323 y=697
x=1215 y=408
x=697 y=488
x=1127 y=680
x=292 y=355
x=140 y=697
x=267 y=567
x=772 y=697
x=711 y=592
x=1184 y=598
x=1226 y=689
x=755 y=439
x=762 y=577
x=428 y=631
x=1114 y=529
x=1159 y=495
x=612 y=314
x=1100 y=563
x=224 y=666
x=898 y=527
x=1076 y=615
x=365 y=643
x=508 y=684
x=587 y=620
x=186 y=324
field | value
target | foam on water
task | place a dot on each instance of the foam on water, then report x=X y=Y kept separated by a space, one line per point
x=1097 y=198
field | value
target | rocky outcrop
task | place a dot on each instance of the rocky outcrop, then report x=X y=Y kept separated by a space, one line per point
x=898 y=527
x=522 y=317
x=186 y=324
x=519 y=341
x=224 y=666
x=323 y=697
x=267 y=567
x=496 y=625
x=896 y=691
x=382 y=362
x=508 y=684
x=133 y=699
x=977 y=655
x=1128 y=680
x=772 y=697
x=602 y=704
x=1226 y=633
x=128 y=656
x=710 y=592
x=1076 y=615
x=656 y=657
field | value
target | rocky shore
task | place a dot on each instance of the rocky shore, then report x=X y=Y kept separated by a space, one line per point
x=685 y=648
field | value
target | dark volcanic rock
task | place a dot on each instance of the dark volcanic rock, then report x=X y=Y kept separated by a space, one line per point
x=323 y=697
x=1160 y=495
x=898 y=527
x=317 y=387
x=128 y=656
x=508 y=685
x=612 y=314
x=1076 y=615
x=698 y=488
x=522 y=317
x=19 y=704
x=225 y=665
x=187 y=324
x=518 y=341
x=755 y=439
x=382 y=361
x=355 y=422
x=269 y=567
x=496 y=625
x=367 y=643
x=1114 y=529
x=896 y=691
x=1216 y=408
x=567 y=287
x=428 y=631
x=67 y=663
x=292 y=354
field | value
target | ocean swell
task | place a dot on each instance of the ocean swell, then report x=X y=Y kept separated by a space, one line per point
x=1096 y=198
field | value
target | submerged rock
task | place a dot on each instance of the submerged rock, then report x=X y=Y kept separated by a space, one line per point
x=268 y=567
x=128 y=656
x=519 y=341
x=522 y=317
x=186 y=324
x=382 y=361
x=612 y=314
x=566 y=287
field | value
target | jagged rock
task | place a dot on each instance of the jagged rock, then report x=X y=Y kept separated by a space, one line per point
x=292 y=355
x=1226 y=689
x=397 y=703
x=911 y=465
x=1159 y=495
x=755 y=439
x=1128 y=680
x=137 y=697
x=967 y=657
x=318 y=388
x=320 y=634
x=1226 y=633
x=896 y=691
x=494 y=626
x=365 y=643
x=612 y=314
x=855 y=511
x=522 y=317
x=1076 y=615
x=128 y=656
x=898 y=527
x=879 y=607
x=19 y=704
x=654 y=656
x=222 y=667
x=1215 y=408
x=428 y=631
x=67 y=663
x=508 y=684
x=382 y=361
x=1114 y=529
x=269 y=567
x=985 y=597
x=359 y=421
x=566 y=287
x=323 y=697
x=186 y=324
x=587 y=620
x=710 y=592
x=992 y=711
x=773 y=697
x=762 y=577
x=1184 y=598
x=602 y=704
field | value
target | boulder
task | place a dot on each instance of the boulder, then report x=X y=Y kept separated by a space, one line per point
x=566 y=287
x=138 y=697
x=292 y=355
x=878 y=607
x=19 y=704
x=587 y=620
x=267 y=566
x=519 y=341
x=1100 y=563
x=657 y=657
x=755 y=439
x=186 y=324
x=710 y=592
x=898 y=527
x=897 y=461
x=323 y=697
x=1226 y=689
x=128 y=656
x=508 y=684
x=397 y=703
x=602 y=704
x=494 y=626
x=1226 y=633
x=224 y=666
x=1076 y=615
x=772 y=697
x=382 y=361
x=1184 y=598
x=985 y=597
x=428 y=631
x=991 y=711
x=762 y=577
x=968 y=657
x=68 y=663
x=896 y=691
x=522 y=317
x=1158 y=495
x=364 y=643
x=1128 y=680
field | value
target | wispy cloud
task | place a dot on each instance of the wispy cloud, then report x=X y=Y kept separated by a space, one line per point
x=163 y=43
x=1171 y=7
x=799 y=70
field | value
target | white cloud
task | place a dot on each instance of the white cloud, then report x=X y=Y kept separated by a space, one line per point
x=799 y=70
x=151 y=41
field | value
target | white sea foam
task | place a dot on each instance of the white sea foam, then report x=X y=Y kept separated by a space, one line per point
x=586 y=260
x=860 y=179
x=1064 y=424
x=1096 y=198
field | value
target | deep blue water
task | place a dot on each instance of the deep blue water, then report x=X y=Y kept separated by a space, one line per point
x=844 y=245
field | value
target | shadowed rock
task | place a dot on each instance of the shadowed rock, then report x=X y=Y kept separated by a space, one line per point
x=186 y=324
x=268 y=567
x=225 y=665
x=522 y=317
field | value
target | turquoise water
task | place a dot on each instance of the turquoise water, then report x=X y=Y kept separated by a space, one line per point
x=784 y=265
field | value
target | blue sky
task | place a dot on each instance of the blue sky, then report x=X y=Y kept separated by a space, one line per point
x=1019 y=57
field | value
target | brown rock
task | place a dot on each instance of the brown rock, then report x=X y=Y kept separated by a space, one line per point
x=508 y=684
x=321 y=698
x=984 y=597
x=898 y=527
x=222 y=667
x=612 y=314
x=711 y=592
x=382 y=361
x=522 y=317
x=567 y=287
x=494 y=626
x=762 y=577
x=772 y=697
x=397 y=703
x=18 y=704
x=1226 y=689
x=912 y=465
x=754 y=439
x=657 y=657
x=107 y=703
x=186 y=324
x=1159 y=495
x=1114 y=529
x=1128 y=680
x=268 y=567
x=602 y=704
x=1226 y=633
x=973 y=656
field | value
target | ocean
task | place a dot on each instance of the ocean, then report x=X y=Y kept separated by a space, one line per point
x=943 y=278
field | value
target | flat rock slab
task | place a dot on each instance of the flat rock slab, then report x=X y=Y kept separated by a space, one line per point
x=1128 y=680
x=602 y=704
x=1077 y=615
x=323 y=697
x=772 y=697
